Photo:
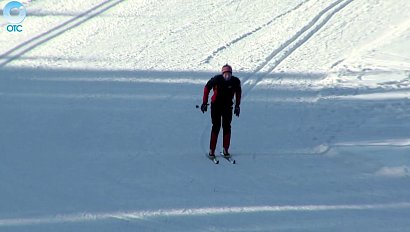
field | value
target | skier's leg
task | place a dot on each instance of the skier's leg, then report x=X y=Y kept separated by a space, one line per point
x=226 y=125
x=216 y=126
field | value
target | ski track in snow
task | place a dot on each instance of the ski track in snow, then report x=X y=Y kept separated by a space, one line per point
x=56 y=31
x=288 y=47
x=248 y=34
x=183 y=27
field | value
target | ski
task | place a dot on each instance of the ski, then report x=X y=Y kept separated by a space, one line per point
x=213 y=159
x=229 y=158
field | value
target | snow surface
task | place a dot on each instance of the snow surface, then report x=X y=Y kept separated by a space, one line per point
x=99 y=130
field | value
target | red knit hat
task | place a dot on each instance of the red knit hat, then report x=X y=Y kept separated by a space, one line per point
x=226 y=68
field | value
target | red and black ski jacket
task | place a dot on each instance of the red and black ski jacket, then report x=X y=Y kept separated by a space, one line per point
x=224 y=91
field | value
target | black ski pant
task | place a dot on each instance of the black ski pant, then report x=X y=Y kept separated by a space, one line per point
x=218 y=113
x=221 y=115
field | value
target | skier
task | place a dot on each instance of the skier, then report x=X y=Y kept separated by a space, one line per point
x=224 y=87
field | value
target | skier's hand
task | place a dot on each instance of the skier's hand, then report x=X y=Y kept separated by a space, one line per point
x=204 y=107
x=237 y=111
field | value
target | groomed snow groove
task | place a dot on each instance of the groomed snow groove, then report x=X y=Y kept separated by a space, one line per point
x=248 y=34
x=288 y=47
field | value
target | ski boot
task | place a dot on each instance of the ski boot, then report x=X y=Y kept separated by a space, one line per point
x=226 y=153
x=211 y=154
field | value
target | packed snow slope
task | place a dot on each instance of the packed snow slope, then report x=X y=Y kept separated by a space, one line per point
x=99 y=130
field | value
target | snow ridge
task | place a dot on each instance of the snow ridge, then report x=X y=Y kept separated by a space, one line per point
x=204 y=212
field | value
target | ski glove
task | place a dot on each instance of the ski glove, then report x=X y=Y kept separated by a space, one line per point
x=237 y=111
x=204 y=107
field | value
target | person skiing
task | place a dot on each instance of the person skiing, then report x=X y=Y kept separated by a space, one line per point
x=225 y=87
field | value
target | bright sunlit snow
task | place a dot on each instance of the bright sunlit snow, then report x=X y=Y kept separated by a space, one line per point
x=99 y=129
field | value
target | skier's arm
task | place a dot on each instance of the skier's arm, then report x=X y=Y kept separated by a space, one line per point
x=206 y=95
x=238 y=95
x=209 y=85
